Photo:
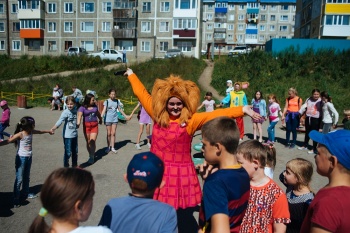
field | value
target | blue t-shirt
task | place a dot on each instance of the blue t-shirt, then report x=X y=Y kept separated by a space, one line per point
x=69 y=117
x=135 y=214
x=226 y=192
x=111 y=114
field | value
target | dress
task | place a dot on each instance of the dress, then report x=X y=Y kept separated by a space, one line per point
x=93 y=229
x=267 y=205
x=221 y=195
x=330 y=209
x=173 y=146
x=259 y=106
x=136 y=214
x=145 y=119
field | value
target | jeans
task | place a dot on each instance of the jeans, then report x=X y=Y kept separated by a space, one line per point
x=327 y=127
x=70 y=149
x=2 y=133
x=23 y=165
x=291 y=126
x=271 y=131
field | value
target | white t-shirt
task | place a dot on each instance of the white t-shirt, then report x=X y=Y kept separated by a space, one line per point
x=209 y=105
x=274 y=108
x=95 y=229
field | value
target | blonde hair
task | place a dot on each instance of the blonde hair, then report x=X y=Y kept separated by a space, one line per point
x=347 y=112
x=292 y=89
x=302 y=169
x=273 y=96
x=253 y=149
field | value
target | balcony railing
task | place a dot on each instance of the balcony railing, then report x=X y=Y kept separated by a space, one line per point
x=219 y=40
x=221 y=30
x=124 y=33
x=124 y=13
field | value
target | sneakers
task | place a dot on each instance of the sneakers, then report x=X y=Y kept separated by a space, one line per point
x=137 y=146
x=311 y=152
x=114 y=150
x=32 y=196
x=287 y=145
x=149 y=145
x=269 y=142
x=292 y=146
x=302 y=148
x=108 y=149
x=241 y=139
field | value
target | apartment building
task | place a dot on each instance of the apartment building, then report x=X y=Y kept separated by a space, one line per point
x=323 y=19
x=233 y=22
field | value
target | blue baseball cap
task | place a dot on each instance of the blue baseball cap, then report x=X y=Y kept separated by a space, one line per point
x=337 y=143
x=148 y=167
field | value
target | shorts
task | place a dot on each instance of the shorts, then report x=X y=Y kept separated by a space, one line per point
x=91 y=127
x=141 y=123
x=111 y=123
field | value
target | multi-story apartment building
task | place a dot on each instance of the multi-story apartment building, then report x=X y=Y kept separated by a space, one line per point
x=145 y=28
x=320 y=19
x=231 y=22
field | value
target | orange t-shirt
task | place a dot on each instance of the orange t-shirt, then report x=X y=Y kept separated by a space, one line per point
x=293 y=104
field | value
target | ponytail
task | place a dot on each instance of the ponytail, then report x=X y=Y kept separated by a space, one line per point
x=39 y=225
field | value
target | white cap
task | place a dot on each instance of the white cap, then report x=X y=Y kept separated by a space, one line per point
x=229 y=81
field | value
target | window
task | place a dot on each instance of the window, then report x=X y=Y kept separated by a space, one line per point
x=262 y=27
x=230 y=27
x=273 y=7
x=164 y=26
x=209 y=36
x=87 y=7
x=68 y=7
x=337 y=19
x=164 y=45
x=164 y=6
x=185 y=4
x=127 y=44
x=1 y=8
x=145 y=26
x=272 y=27
x=106 y=7
x=231 y=6
x=253 y=5
x=231 y=17
x=68 y=27
x=16 y=45
x=2 y=26
x=230 y=37
x=209 y=16
x=87 y=26
x=51 y=7
x=284 y=17
x=240 y=38
x=240 y=27
x=146 y=7
x=284 y=7
x=145 y=46
x=88 y=45
x=283 y=28
x=106 y=44
x=106 y=26
x=2 y=45
x=263 y=7
x=241 y=7
x=273 y=17
x=30 y=23
x=34 y=45
x=52 y=45
x=209 y=26
x=51 y=27
x=263 y=17
x=67 y=44
x=185 y=46
x=16 y=26
x=210 y=7
x=261 y=38
x=14 y=8
x=240 y=17
x=185 y=23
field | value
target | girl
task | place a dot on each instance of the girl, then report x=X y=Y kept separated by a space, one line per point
x=144 y=119
x=328 y=112
x=209 y=103
x=110 y=110
x=274 y=110
x=69 y=132
x=297 y=178
x=5 y=119
x=259 y=106
x=270 y=160
x=92 y=118
x=68 y=206
x=291 y=115
x=313 y=108
x=22 y=138
x=173 y=105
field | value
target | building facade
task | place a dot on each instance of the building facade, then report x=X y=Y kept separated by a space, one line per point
x=323 y=19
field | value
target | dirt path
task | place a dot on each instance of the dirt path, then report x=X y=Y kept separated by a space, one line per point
x=205 y=80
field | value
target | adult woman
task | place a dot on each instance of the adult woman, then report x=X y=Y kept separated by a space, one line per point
x=291 y=116
x=313 y=109
x=173 y=105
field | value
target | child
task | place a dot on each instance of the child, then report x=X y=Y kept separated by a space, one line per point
x=22 y=138
x=268 y=207
x=270 y=160
x=172 y=106
x=91 y=119
x=328 y=112
x=77 y=94
x=209 y=103
x=56 y=101
x=297 y=178
x=259 y=106
x=68 y=206
x=274 y=110
x=346 y=120
x=224 y=202
x=110 y=116
x=69 y=132
x=328 y=211
x=144 y=119
x=137 y=212
x=229 y=87
x=5 y=119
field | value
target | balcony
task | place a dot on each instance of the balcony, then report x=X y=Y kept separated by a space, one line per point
x=124 y=33
x=185 y=33
x=219 y=30
x=221 y=10
x=220 y=19
x=34 y=33
x=219 y=40
x=124 y=13
x=30 y=14
x=252 y=21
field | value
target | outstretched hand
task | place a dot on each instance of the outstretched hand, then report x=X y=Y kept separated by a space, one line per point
x=249 y=111
x=128 y=72
x=206 y=169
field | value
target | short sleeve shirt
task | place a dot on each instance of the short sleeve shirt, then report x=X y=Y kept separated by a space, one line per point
x=111 y=110
x=89 y=115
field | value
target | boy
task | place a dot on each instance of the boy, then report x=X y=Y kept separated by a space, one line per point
x=138 y=212
x=330 y=209
x=225 y=192
x=268 y=206
x=346 y=120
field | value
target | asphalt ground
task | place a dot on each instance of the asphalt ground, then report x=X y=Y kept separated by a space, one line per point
x=108 y=170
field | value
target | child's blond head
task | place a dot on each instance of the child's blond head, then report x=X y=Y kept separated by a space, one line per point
x=253 y=150
x=302 y=169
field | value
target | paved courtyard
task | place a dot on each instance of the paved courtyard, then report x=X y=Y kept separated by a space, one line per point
x=107 y=171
